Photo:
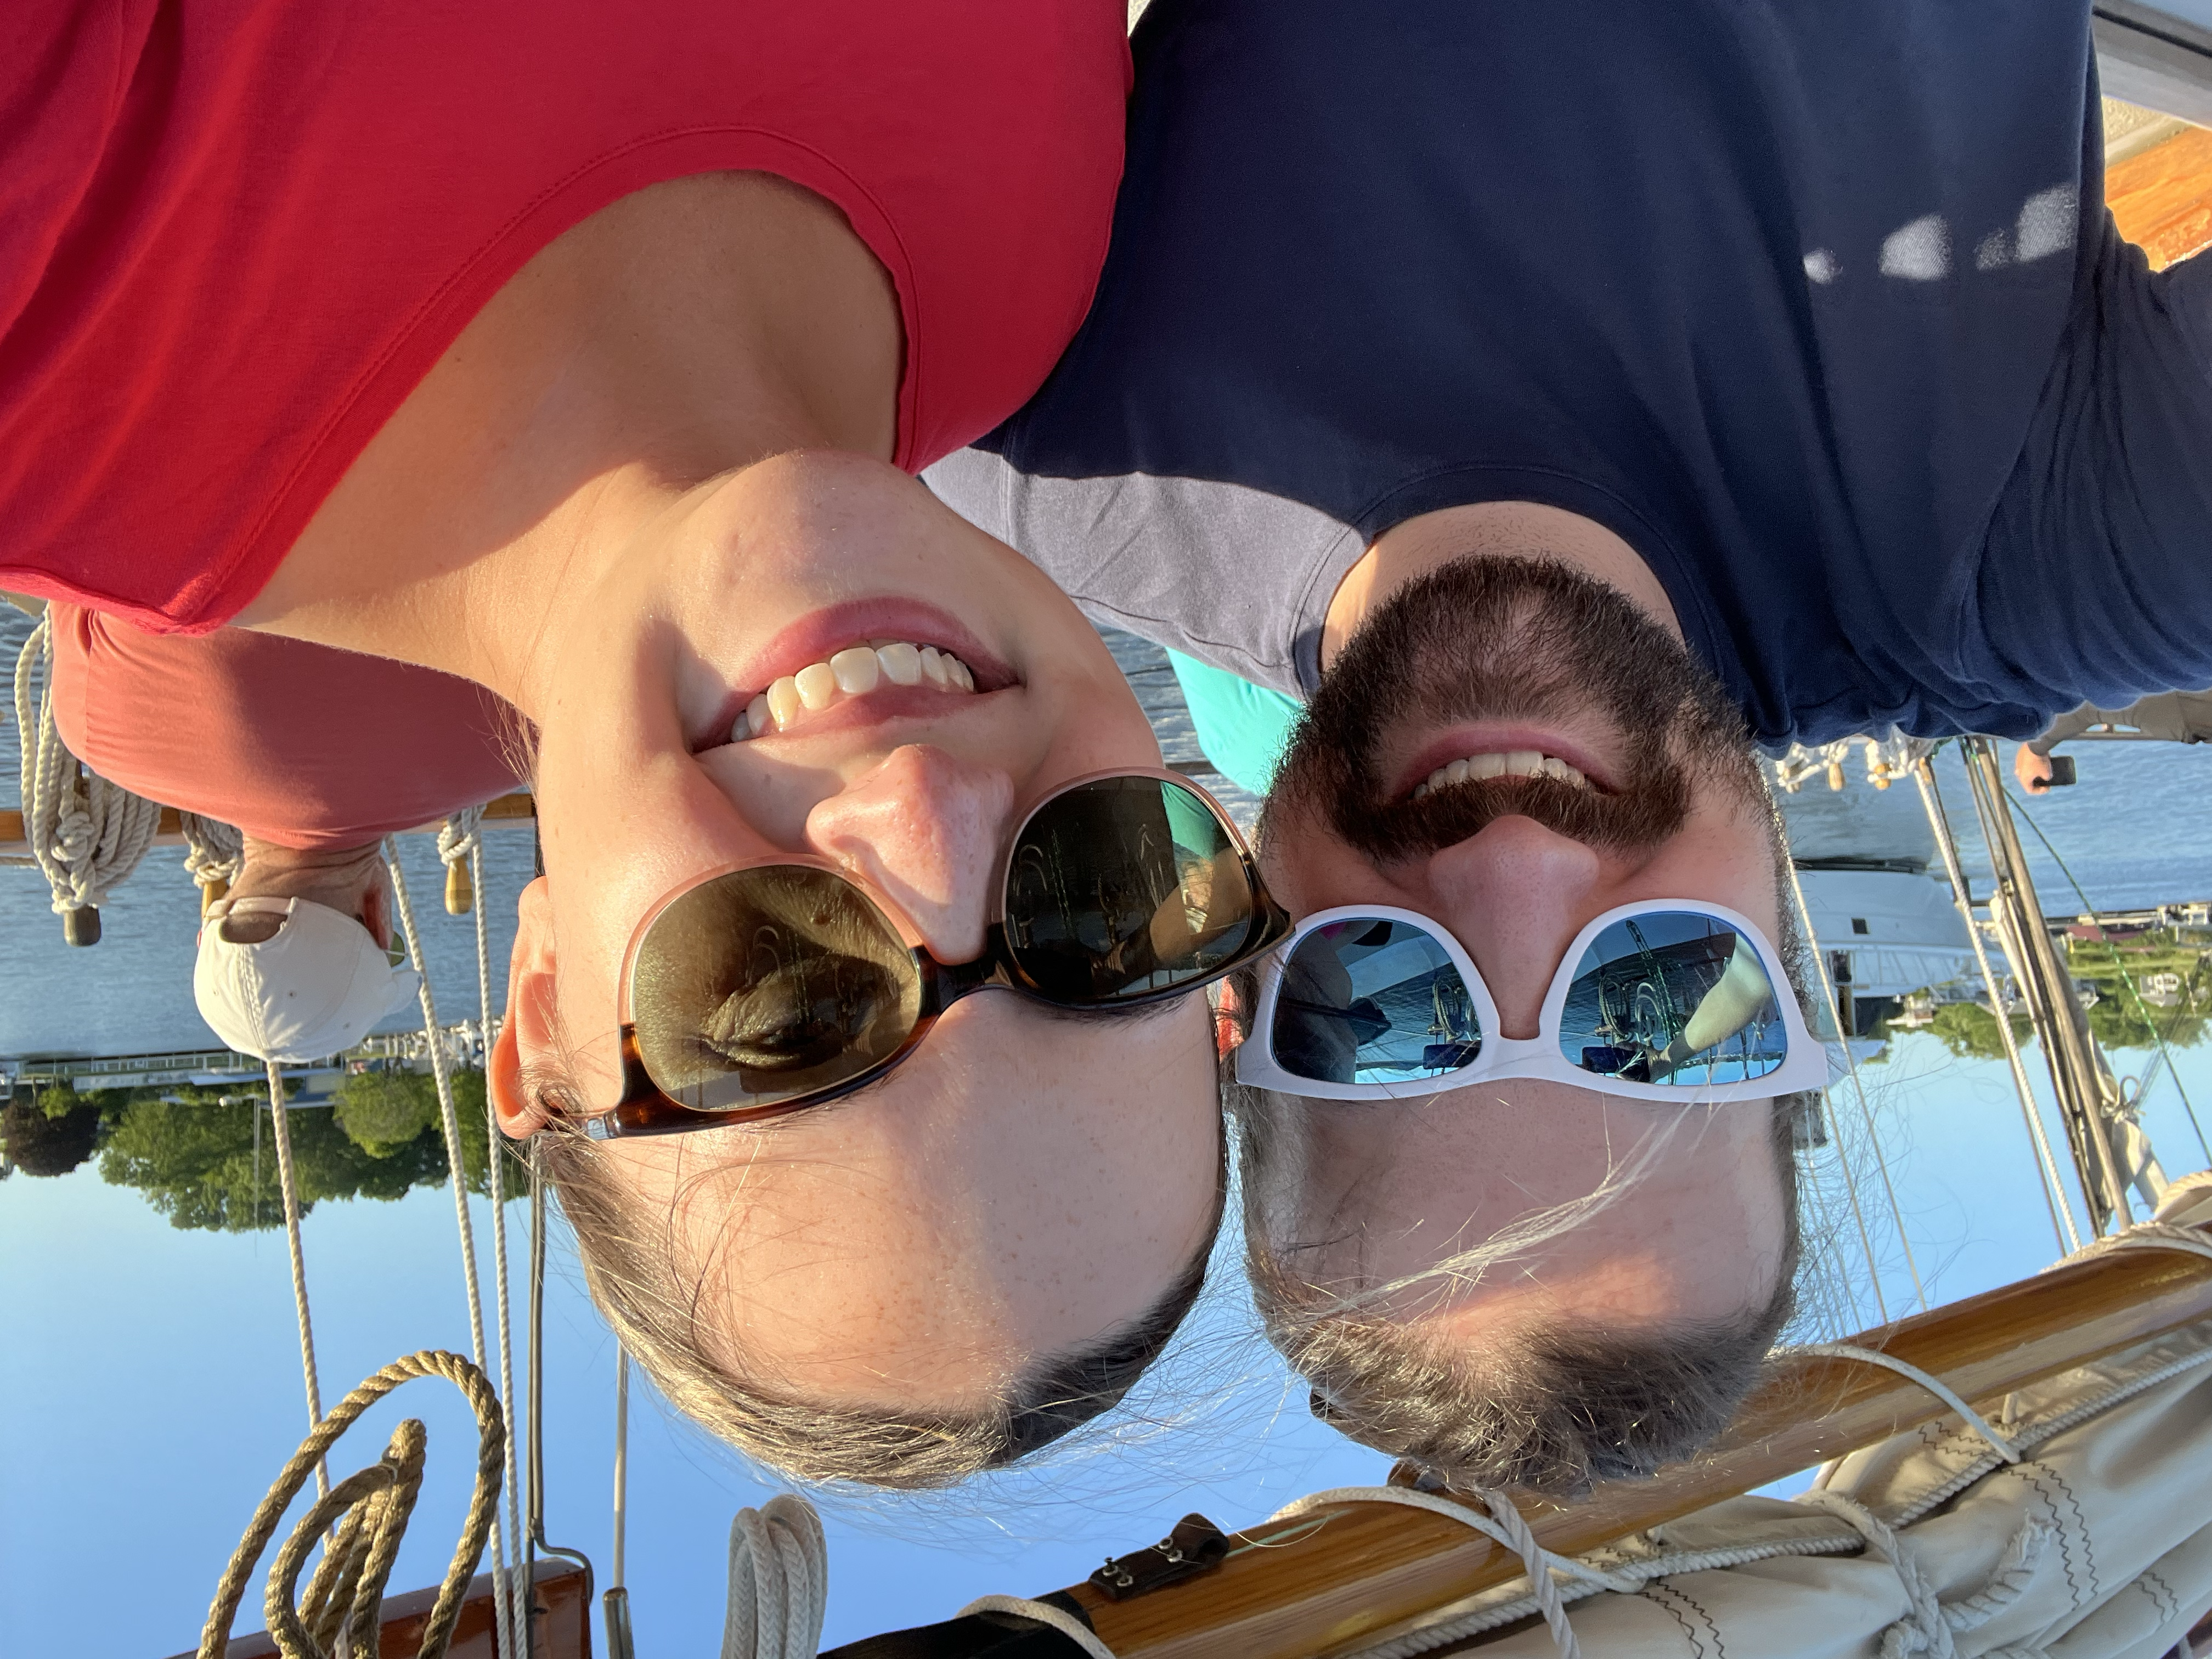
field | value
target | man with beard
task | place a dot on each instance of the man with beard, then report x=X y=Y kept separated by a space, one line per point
x=1775 y=393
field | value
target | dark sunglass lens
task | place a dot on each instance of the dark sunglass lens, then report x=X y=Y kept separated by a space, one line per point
x=1124 y=887
x=1675 y=998
x=764 y=985
x=1373 y=1001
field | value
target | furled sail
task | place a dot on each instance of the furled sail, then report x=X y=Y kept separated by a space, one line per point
x=2096 y=1544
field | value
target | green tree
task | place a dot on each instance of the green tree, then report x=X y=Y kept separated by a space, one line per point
x=383 y=1113
x=392 y=1114
x=195 y=1158
x=59 y=1099
x=51 y=1134
x=1969 y=1030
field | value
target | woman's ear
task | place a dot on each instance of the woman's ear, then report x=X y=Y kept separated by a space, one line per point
x=528 y=1035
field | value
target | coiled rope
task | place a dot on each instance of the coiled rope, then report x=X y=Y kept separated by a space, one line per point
x=779 y=1581
x=507 y=1599
x=213 y=855
x=370 y=1509
x=85 y=834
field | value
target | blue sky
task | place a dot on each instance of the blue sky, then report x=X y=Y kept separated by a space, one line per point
x=155 y=1376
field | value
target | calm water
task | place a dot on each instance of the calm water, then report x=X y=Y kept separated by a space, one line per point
x=154 y=1374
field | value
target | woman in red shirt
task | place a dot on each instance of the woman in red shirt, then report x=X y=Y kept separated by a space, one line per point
x=586 y=351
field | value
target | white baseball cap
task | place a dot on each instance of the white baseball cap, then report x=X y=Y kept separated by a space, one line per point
x=311 y=989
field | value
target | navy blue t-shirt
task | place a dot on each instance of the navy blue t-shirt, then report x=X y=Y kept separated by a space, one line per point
x=1815 y=304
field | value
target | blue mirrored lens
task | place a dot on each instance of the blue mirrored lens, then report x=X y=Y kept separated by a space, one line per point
x=1675 y=998
x=1367 y=1000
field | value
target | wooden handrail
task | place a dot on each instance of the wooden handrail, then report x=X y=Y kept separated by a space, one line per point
x=1323 y=1584
x=172 y=832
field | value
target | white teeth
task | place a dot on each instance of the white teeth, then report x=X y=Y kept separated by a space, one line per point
x=853 y=672
x=902 y=663
x=857 y=669
x=783 y=704
x=1518 y=763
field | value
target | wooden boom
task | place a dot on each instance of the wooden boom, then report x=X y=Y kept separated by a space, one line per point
x=1322 y=1584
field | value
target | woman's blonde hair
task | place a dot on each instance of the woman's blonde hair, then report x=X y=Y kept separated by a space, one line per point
x=650 y=1290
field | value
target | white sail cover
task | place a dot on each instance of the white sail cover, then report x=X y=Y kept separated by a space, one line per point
x=2096 y=1545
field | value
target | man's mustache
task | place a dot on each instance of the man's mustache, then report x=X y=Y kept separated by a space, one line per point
x=1631 y=820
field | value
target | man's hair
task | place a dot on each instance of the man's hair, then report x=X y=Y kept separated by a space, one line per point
x=654 y=1300
x=1549 y=1409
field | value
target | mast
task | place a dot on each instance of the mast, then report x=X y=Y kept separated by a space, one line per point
x=2086 y=1097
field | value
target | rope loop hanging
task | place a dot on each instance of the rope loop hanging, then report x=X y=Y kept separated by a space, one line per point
x=371 y=1510
x=214 y=853
x=459 y=840
x=85 y=834
x=779 y=1581
x=1924 y=1630
x=1935 y=1385
x=1503 y=1525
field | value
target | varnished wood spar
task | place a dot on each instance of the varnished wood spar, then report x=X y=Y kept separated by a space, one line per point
x=172 y=832
x=1321 y=1585
x=560 y=1621
x=2161 y=198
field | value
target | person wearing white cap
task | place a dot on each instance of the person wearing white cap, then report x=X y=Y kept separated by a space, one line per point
x=305 y=969
x=295 y=963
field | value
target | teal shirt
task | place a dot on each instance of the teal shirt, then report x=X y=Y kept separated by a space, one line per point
x=1242 y=727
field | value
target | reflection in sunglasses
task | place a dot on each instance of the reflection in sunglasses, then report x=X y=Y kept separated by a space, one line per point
x=767 y=982
x=1123 y=888
x=1647 y=1008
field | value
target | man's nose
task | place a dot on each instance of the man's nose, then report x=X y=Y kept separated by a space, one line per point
x=1515 y=896
x=926 y=827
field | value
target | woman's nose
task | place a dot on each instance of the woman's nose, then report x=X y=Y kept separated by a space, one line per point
x=1515 y=894
x=928 y=828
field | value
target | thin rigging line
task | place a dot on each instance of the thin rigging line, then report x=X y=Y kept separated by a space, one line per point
x=2068 y=1238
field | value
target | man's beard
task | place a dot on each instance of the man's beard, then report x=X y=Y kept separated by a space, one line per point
x=1512 y=639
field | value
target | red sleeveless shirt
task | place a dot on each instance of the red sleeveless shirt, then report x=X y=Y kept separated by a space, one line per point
x=235 y=233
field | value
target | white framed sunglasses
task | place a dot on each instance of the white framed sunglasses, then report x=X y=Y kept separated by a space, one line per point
x=1672 y=999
